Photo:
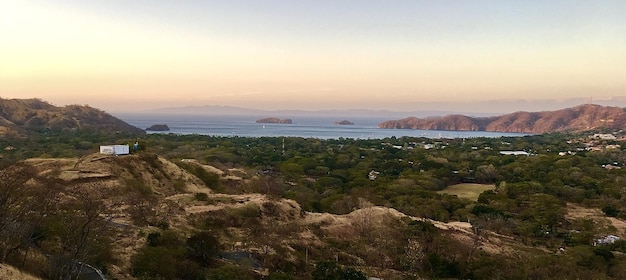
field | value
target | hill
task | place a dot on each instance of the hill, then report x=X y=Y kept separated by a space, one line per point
x=142 y=202
x=577 y=118
x=20 y=117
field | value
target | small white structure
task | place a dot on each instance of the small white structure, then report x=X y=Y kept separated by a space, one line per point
x=373 y=175
x=514 y=153
x=609 y=239
x=115 y=150
x=603 y=136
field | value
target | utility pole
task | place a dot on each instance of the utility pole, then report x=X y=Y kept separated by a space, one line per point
x=306 y=257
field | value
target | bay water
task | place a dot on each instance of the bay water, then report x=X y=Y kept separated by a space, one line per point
x=306 y=127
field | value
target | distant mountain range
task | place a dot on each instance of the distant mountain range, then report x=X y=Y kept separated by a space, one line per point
x=583 y=117
x=478 y=108
x=20 y=117
x=350 y=113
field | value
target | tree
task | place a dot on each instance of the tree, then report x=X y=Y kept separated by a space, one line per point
x=328 y=270
x=203 y=246
x=24 y=204
x=77 y=233
x=230 y=272
x=486 y=173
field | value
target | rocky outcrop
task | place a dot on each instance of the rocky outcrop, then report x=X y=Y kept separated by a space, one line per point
x=158 y=127
x=20 y=117
x=274 y=120
x=578 y=118
x=344 y=122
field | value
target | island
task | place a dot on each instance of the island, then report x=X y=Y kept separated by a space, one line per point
x=344 y=122
x=274 y=120
x=158 y=127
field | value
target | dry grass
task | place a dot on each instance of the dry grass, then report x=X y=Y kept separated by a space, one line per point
x=467 y=191
x=8 y=272
x=575 y=211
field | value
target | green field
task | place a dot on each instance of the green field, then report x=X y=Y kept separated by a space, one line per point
x=467 y=191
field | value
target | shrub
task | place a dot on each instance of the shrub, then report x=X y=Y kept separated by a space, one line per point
x=201 y=197
x=202 y=246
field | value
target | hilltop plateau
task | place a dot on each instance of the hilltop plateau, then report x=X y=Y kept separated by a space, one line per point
x=21 y=117
x=580 y=118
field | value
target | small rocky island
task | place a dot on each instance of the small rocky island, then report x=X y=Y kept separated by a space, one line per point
x=274 y=120
x=344 y=122
x=158 y=127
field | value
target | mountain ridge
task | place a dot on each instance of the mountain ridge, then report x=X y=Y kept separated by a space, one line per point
x=582 y=117
x=20 y=117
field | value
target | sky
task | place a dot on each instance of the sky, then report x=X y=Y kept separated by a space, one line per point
x=128 y=55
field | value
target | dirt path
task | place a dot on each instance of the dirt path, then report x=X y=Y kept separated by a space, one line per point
x=230 y=201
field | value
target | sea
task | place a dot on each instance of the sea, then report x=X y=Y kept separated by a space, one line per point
x=304 y=126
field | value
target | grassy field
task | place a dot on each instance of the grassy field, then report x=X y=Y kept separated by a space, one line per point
x=467 y=191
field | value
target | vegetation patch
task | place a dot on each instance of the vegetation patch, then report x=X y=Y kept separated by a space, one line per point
x=467 y=191
x=313 y=211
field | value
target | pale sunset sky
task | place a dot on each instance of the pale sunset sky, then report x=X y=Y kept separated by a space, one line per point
x=121 y=55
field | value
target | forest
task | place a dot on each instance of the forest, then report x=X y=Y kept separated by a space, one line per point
x=527 y=206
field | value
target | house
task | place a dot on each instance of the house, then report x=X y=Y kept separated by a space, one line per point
x=603 y=136
x=609 y=239
x=115 y=150
x=373 y=175
x=610 y=167
x=514 y=153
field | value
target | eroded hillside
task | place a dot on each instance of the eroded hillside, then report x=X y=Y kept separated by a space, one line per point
x=141 y=198
x=580 y=118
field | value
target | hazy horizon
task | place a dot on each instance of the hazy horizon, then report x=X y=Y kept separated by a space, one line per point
x=400 y=55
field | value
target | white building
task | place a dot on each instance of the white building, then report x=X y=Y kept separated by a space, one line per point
x=609 y=239
x=115 y=150
x=604 y=136
x=373 y=175
x=514 y=153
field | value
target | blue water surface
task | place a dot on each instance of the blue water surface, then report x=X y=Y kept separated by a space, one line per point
x=306 y=127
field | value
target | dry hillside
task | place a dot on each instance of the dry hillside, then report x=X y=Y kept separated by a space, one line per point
x=19 y=117
x=141 y=192
x=578 y=118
